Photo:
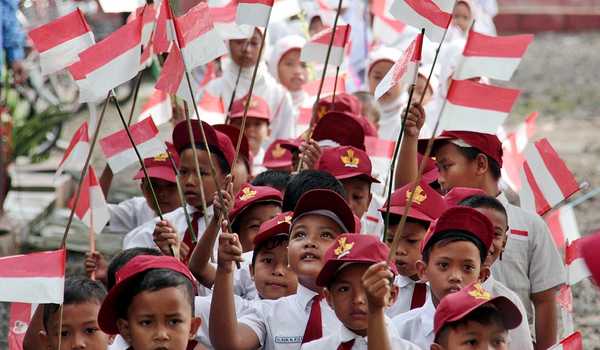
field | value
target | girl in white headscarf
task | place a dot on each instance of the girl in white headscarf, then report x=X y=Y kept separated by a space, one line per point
x=288 y=70
x=463 y=15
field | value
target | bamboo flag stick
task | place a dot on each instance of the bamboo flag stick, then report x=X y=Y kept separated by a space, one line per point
x=136 y=91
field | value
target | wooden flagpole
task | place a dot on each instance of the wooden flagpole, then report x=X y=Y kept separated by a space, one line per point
x=92 y=238
x=235 y=86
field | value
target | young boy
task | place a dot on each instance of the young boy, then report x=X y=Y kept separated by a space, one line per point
x=453 y=252
x=427 y=207
x=319 y=218
x=358 y=288
x=152 y=304
x=473 y=319
x=80 y=330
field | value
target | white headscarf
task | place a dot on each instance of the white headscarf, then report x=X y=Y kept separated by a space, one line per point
x=283 y=46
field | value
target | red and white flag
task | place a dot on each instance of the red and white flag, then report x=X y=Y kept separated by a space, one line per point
x=572 y=342
x=199 y=41
x=223 y=18
x=284 y=9
x=513 y=145
x=380 y=152
x=172 y=79
x=404 y=70
x=60 y=41
x=211 y=108
x=422 y=14
x=577 y=269
x=254 y=12
x=315 y=50
x=472 y=106
x=164 y=32
x=76 y=152
x=112 y=6
x=546 y=180
x=20 y=318
x=563 y=225
x=494 y=57
x=119 y=151
x=312 y=87
x=91 y=209
x=37 y=278
x=111 y=62
x=158 y=107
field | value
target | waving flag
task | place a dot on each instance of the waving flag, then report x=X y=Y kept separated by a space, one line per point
x=495 y=57
x=172 y=79
x=113 y=6
x=158 y=107
x=284 y=9
x=315 y=50
x=545 y=177
x=572 y=342
x=60 y=41
x=254 y=12
x=380 y=152
x=576 y=268
x=164 y=33
x=33 y=278
x=76 y=152
x=20 y=317
x=563 y=225
x=513 y=145
x=211 y=109
x=119 y=151
x=404 y=70
x=385 y=28
x=422 y=14
x=92 y=209
x=223 y=18
x=312 y=87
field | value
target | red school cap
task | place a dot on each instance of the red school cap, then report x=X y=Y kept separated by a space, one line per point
x=249 y=195
x=488 y=144
x=279 y=225
x=427 y=204
x=346 y=162
x=108 y=314
x=160 y=167
x=277 y=157
x=349 y=104
x=352 y=248
x=325 y=202
x=459 y=194
x=258 y=108
x=341 y=128
x=589 y=252
x=233 y=133
x=455 y=306
x=430 y=172
x=215 y=139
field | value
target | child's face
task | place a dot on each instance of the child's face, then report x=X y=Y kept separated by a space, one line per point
x=348 y=298
x=377 y=73
x=245 y=52
x=462 y=16
x=408 y=252
x=191 y=183
x=421 y=88
x=80 y=328
x=272 y=276
x=159 y=319
x=500 y=223
x=166 y=193
x=451 y=267
x=455 y=169
x=292 y=72
x=250 y=221
x=310 y=237
x=241 y=175
x=476 y=336
x=256 y=131
x=358 y=195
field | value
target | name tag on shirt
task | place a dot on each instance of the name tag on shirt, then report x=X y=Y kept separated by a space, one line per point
x=288 y=340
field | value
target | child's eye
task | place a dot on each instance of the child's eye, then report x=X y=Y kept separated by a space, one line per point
x=145 y=323
x=343 y=289
x=327 y=235
x=90 y=330
x=443 y=265
x=469 y=268
x=471 y=342
x=65 y=334
x=298 y=235
x=266 y=260
x=175 y=321
x=413 y=241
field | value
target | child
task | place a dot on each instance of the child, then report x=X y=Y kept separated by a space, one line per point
x=473 y=319
x=427 y=206
x=152 y=304
x=287 y=68
x=358 y=288
x=320 y=216
x=307 y=180
x=278 y=158
x=78 y=323
x=273 y=178
x=453 y=252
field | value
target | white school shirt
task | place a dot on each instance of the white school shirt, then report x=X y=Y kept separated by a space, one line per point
x=371 y=221
x=344 y=334
x=406 y=287
x=129 y=214
x=280 y=324
x=243 y=284
x=520 y=337
x=530 y=262
x=416 y=325
x=257 y=162
x=118 y=344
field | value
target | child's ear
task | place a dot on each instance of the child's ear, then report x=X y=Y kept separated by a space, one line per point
x=123 y=327
x=328 y=297
x=483 y=163
x=435 y=346
x=421 y=268
x=484 y=273
x=196 y=323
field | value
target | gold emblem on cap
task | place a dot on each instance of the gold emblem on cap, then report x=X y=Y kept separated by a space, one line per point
x=479 y=293
x=419 y=196
x=287 y=219
x=343 y=248
x=350 y=160
x=161 y=157
x=321 y=112
x=278 y=151
x=247 y=193
x=252 y=103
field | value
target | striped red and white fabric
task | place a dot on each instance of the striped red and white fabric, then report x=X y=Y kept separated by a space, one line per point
x=577 y=269
x=224 y=21
x=563 y=225
x=284 y=9
x=20 y=317
x=572 y=342
x=404 y=70
x=164 y=34
x=312 y=87
x=254 y=12
x=119 y=151
x=112 y=6
x=494 y=57
x=172 y=79
x=472 y=106
x=76 y=152
x=381 y=153
x=60 y=41
x=445 y=5
x=211 y=109
x=386 y=29
x=36 y=278
x=422 y=14
x=158 y=107
x=315 y=50
x=513 y=145
x=91 y=208
x=545 y=178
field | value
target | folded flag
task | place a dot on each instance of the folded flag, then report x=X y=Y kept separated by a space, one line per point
x=546 y=180
x=224 y=21
x=495 y=57
x=20 y=317
x=60 y=41
x=472 y=106
x=422 y=14
x=164 y=33
x=199 y=41
x=33 y=278
x=211 y=108
x=172 y=79
x=254 y=12
x=119 y=151
x=404 y=70
x=563 y=225
x=158 y=107
x=91 y=208
x=572 y=342
x=315 y=50
x=513 y=144
x=577 y=269
x=76 y=152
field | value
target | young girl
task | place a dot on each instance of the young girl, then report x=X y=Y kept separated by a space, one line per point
x=285 y=66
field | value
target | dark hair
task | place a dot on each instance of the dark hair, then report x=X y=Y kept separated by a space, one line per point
x=123 y=258
x=395 y=220
x=78 y=290
x=151 y=281
x=488 y=202
x=273 y=178
x=216 y=154
x=444 y=238
x=269 y=244
x=471 y=153
x=236 y=221
x=486 y=315
x=307 y=180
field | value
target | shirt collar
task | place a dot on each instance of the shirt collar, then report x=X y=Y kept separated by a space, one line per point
x=304 y=296
x=489 y=283
x=346 y=334
x=403 y=281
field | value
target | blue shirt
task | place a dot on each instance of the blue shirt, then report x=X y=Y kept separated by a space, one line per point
x=11 y=33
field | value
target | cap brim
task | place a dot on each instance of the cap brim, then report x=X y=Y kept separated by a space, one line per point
x=108 y=315
x=266 y=200
x=277 y=230
x=422 y=143
x=326 y=200
x=277 y=164
x=511 y=316
x=361 y=175
x=331 y=268
x=241 y=115
x=412 y=213
x=163 y=173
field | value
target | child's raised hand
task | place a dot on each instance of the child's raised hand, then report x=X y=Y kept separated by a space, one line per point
x=227 y=194
x=95 y=263
x=164 y=236
x=310 y=152
x=414 y=120
x=230 y=249
x=377 y=282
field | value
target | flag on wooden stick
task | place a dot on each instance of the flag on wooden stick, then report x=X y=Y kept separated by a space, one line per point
x=254 y=12
x=562 y=224
x=158 y=107
x=572 y=342
x=315 y=50
x=76 y=152
x=577 y=270
x=91 y=208
x=20 y=317
x=172 y=77
x=422 y=14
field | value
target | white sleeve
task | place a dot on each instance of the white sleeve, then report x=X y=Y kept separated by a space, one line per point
x=546 y=269
x=123 y=215
x=254 y=317
x=141 y=236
